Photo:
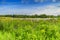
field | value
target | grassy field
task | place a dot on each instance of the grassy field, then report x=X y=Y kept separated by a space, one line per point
x=16 y=29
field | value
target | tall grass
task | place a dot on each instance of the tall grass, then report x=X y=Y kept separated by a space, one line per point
x=14 y=29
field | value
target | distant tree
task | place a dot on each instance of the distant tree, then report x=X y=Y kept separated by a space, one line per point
x=58 y=16
x=43 y=16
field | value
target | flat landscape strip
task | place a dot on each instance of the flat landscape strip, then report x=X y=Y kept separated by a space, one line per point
x=35 y=18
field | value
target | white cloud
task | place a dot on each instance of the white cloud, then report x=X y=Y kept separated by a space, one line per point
x=49 y=10
x=54 y=0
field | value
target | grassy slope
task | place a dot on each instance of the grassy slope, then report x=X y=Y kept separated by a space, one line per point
x=14 y=29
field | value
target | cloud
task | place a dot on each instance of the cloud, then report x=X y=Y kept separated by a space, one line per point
x=52 y=9
x=54 y=0
x=48 y=10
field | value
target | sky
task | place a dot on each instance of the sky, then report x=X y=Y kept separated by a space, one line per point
x=29 y=7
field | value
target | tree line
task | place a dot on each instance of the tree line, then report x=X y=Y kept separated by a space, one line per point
x=31 y=16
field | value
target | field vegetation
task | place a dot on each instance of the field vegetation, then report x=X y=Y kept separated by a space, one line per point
x=16 y=29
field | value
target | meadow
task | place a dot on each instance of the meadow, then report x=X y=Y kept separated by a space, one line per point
x=16 y=29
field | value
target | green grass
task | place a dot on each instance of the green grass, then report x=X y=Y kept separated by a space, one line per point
x=14 y=29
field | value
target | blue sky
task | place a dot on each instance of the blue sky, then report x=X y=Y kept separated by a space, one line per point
x=30 y=7
x=27 y=1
